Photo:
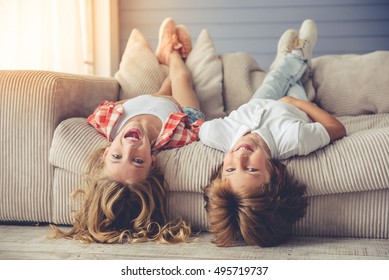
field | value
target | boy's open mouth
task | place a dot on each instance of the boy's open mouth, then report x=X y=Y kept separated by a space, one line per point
x=245 y=147
x=133 y=135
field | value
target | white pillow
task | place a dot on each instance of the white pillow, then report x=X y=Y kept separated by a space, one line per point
x=207 y=74
x=140 y=72
x=352 y=84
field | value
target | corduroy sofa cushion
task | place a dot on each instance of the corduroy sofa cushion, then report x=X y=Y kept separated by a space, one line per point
x=350 y=171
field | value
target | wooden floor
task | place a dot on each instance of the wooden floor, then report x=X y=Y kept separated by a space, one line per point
x=29 y=242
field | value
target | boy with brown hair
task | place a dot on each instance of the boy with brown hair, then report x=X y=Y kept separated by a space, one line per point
x=253 y=196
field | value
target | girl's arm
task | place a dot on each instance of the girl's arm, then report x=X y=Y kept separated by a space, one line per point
x=335 y=129
x=120 y=101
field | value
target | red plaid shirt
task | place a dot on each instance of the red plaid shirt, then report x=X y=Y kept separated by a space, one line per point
x=105 y=117
x=176 y=132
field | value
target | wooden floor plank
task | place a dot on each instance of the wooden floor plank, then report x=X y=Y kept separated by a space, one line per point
x=29 y=242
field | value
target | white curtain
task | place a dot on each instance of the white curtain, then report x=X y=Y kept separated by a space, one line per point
x=54 y=35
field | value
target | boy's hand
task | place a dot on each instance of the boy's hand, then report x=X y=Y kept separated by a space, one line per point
x=335 y=129
x=289 y=99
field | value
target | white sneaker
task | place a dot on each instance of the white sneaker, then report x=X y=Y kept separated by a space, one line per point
x=307 y=39
x=285 y=45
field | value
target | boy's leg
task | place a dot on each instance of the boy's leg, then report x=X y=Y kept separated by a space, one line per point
x=277 y=82
x=304 y=47
x=297 y=91
x=285 y=45
x=271 y=90
x=305 y=44
x=288 y=69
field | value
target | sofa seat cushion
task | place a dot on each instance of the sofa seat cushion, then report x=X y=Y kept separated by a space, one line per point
x=354 y=214
x=358 y=162
x=353 y=204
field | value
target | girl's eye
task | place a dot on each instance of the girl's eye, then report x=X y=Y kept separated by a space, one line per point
x=138 y=161
x=252 y=169
x=230 y=169
x=116 y=156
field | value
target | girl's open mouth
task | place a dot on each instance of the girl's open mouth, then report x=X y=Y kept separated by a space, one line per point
x=133 y=135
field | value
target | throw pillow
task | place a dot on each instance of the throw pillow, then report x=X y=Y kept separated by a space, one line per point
x=207 y=74
x=352 y=84
x=140 y=72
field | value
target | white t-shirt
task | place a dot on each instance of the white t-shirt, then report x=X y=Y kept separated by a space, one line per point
x=286 y=130
x=145 y=104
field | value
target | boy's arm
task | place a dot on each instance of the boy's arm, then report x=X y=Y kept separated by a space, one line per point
x=335 y=129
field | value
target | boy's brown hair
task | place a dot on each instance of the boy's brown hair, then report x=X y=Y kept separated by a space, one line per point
x=261 y=217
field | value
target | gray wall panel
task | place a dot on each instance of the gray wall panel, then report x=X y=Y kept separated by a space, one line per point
x=348 y=26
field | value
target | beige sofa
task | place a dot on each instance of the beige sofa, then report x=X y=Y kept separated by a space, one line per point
x=45 y=139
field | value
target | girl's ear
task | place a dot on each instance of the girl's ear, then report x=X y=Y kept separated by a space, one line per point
x=153 y=161
x=105 y=152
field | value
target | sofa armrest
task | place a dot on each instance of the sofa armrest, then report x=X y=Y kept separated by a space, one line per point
x=65 y=95
x=32 y=104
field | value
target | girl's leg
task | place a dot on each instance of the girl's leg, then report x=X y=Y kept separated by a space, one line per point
x=181 y=80
x=168 y=41
x=166 y=88
x=174 y=44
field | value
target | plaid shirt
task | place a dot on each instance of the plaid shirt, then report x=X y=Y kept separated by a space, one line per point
x=105 y=117
x=177 y=130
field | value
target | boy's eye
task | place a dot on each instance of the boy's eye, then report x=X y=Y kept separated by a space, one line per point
x=116 y=156
x=252 y=169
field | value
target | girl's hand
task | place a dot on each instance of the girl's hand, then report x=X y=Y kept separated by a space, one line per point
x=120 y=102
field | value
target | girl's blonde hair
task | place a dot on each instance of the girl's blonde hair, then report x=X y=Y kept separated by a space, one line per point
x=117 y=212
x=263 y=216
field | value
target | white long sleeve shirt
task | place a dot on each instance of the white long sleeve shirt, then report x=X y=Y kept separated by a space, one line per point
x=286 y=130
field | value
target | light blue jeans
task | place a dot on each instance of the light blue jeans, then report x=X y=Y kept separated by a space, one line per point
x=284 y=79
